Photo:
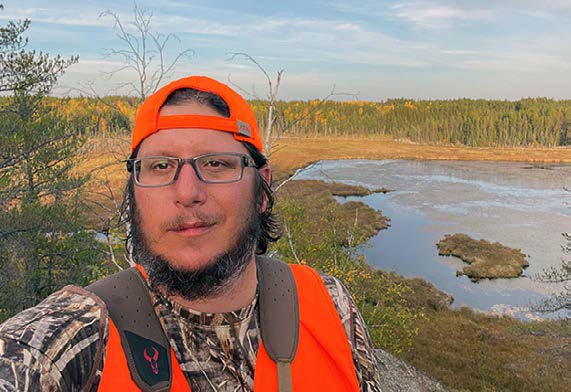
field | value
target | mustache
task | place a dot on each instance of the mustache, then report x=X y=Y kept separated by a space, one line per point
x=182 y=221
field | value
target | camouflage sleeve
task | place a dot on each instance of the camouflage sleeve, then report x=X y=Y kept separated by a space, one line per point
x=54 y=346
x=23 y=368
x=359 y=339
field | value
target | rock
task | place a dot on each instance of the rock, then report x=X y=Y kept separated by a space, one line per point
x=397 y=375
x=486 y=259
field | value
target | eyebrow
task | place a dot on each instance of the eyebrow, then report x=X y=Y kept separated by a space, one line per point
x=160 y=153
x=170 y=153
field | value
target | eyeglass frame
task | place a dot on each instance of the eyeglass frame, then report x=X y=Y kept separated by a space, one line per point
x=246 y=161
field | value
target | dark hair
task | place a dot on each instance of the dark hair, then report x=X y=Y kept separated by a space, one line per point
x=269 y=224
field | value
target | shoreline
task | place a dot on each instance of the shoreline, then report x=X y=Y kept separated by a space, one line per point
x=293 y=153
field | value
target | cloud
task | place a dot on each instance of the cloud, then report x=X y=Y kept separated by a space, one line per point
x=290 y=39
x=181 y=24
x=516 y=63
x=60 y=16
x=462 y=52
x=557 y=5
x=324 y=41
x=95 y=64
x=425 y=15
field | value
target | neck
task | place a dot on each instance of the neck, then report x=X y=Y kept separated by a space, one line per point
x=237 y=295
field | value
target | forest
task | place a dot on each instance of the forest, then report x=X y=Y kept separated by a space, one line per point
x=469 y=122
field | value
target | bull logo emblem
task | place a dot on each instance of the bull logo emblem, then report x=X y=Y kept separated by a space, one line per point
x=152 y=359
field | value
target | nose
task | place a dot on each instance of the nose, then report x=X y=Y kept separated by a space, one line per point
x=189 y=189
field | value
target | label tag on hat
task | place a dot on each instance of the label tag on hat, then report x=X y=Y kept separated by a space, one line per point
x=243 y=128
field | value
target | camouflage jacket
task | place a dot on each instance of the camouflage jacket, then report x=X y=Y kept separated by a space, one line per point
x=59 y=345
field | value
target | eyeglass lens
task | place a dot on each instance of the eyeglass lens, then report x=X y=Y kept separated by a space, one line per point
x=157 y=171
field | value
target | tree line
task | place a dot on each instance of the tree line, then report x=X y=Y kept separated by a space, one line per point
x=469 y=122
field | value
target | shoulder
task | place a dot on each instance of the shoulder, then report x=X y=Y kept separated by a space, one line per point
x=56 y=342
x=344 y=304
x=340 y=296
x=355 y=327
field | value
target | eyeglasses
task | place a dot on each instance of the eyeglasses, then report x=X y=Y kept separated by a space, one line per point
x=216 y=168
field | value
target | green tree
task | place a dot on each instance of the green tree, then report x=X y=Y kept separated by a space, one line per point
x=43 y=243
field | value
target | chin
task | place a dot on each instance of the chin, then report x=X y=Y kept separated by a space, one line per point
x=187 y=264
x=190 y=260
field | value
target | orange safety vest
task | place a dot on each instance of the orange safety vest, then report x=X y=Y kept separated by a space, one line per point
x=323 y=361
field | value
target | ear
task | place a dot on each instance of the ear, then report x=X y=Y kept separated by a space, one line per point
x=266 y=173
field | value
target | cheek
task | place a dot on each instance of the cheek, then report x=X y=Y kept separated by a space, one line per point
x=148 y=213
x=233 y=202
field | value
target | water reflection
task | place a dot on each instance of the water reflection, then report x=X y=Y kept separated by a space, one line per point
x=499 y=201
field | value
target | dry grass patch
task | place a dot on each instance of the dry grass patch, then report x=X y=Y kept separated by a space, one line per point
x=101 y=159
x=471 y=351
x=486 y=259
x=352 y=215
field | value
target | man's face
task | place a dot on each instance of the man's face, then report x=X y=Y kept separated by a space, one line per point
x=190 y=223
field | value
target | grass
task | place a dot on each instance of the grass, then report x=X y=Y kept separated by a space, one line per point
x=486 y=260
x=477 y=352
x=319 y=195
x=465 y=349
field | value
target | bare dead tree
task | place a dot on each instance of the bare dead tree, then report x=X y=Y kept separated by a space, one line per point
x=290 y=242
x=292 y=177
x=144 y=52
x=272 y=132
x=272 y=95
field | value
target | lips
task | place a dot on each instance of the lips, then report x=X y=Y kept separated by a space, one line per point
x=193 y=229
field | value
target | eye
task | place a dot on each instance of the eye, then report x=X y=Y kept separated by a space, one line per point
x=215 y=163
x=162 y=164
x=218 y=164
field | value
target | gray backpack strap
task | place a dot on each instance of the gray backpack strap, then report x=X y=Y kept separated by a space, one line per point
x=279 y=315
x=144 y=342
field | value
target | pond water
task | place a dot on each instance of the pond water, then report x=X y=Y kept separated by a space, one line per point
x=520 y=205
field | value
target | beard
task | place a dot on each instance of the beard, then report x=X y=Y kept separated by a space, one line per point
x=207 y=281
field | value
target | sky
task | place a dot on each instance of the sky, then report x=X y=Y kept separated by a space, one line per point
x=366 y=50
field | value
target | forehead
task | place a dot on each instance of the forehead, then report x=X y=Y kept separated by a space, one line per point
x=187 y=142
x=191 y=107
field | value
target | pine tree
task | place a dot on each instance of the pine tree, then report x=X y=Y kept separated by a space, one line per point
x=43 y=243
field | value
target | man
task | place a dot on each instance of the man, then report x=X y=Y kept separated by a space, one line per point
x=199 y=209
